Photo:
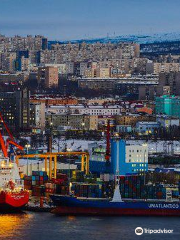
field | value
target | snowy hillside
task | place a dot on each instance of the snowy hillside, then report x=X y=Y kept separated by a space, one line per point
x=142 y=39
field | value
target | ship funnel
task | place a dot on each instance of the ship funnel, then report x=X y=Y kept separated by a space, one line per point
x=117 y=195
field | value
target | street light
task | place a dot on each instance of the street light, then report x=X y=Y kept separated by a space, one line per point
x=50 y=135
x=69 y=150
x=27 y=146
x=83 y=124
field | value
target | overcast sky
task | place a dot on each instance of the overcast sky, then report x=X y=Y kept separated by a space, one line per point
x=75 y=19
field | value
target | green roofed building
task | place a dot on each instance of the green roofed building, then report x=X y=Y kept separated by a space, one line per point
x=168 y=105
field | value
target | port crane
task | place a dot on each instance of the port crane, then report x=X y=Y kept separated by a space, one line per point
x=51 y=158
x=10 y=141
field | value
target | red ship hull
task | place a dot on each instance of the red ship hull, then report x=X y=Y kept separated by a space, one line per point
x=63 y=211
x=10 y=201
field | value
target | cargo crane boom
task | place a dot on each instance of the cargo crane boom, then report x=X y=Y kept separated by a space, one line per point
x=13 y=143
x=6 y=127
x=3 y=146
x=10 y=141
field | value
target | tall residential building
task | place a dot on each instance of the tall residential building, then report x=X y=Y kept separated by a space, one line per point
x=103 y=72
x=169 y=105
x=70 y=67
x=23 y=64
x=61 y=67
x=44 y=43
x=8 y=60
x=48 y=76
x=156 y=68
x=51 y=77
x=37 y=115
x=14 y=107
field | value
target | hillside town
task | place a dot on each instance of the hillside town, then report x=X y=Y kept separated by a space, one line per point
x=89 y=119
x=84 y=101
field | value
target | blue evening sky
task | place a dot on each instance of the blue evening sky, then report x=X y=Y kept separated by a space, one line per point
x=75 y=19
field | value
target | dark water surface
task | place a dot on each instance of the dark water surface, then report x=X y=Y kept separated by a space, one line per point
x=46 y=226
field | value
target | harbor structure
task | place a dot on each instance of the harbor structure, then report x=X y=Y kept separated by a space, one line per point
x=133 y=159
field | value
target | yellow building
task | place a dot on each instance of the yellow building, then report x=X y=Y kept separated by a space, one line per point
x=132 y=119
x=103 y=72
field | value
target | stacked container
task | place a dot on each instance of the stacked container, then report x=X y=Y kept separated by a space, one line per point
x=28 y=182
x=77 y=176
x=61 y=184
x=38 y=191
x=133 y=187
x=86 y=190
x=157 y=191
x=36 y=182
x=39 y=178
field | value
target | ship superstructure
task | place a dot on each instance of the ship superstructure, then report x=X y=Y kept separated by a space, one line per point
x=12 y=193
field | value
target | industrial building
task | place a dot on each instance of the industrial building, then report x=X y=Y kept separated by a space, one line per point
x=127 y=159
x=146 y=128
x=166 y=121
x=72 y=121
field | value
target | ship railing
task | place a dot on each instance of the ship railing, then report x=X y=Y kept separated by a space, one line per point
x=4 y=171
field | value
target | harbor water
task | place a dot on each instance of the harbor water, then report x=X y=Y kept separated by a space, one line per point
x=46 y=226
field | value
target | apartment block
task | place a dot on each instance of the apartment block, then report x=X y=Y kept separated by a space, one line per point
x=48 y=76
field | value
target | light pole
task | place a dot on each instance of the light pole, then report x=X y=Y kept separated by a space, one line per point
x=83 y=124
x=50 y=135
x=27 y=146
x=145 y=154
x=69 y=150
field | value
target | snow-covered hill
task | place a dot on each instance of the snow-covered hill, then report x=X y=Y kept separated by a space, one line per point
x=142 y=39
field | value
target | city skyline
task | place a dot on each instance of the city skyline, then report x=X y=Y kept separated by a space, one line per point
x=68 y=20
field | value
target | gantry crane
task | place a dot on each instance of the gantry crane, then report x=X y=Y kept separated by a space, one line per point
x=51 y=158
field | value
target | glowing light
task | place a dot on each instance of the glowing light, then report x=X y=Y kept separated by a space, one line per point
x=11 y=223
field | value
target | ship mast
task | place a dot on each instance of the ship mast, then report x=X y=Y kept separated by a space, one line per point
x=117 y=194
